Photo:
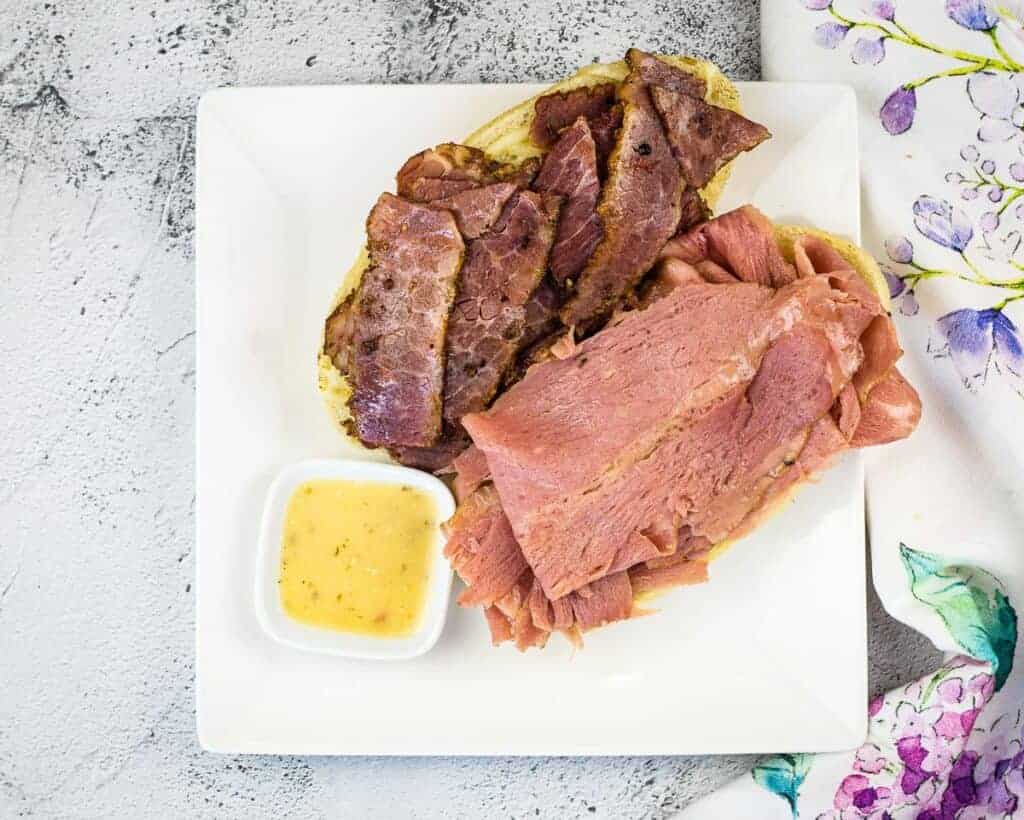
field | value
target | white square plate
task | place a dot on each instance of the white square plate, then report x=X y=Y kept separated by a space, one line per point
x=768 y=656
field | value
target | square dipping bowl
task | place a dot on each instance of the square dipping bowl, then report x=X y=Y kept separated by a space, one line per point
x=269 y=610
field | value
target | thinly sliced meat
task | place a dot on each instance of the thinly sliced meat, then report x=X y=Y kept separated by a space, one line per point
x=570 y=171
x=471 y=470
x=445 y=171
x=692 y=210
x=643 y=424
x=814 y=255
x=477 y=209
x=438 y=457
x=652 y=70
x=603 y=601
x=501 y=272
x=550 y=615
x=499 y=625
x=400 y=317
x=677 y=571
x=892 y=412
x=704 y=137
x=339 y=329
x=742 y=241
x=604 y=128
x=482 y=549
x=881 y=352
x=541 y=317
x=541 y=329
x=558 y=110
x=847 y=411
x=521 y=175
x=639 y=209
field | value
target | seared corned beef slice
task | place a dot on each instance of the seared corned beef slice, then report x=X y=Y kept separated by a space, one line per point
x=743 y=241
x=692 y=210
x=541 y=318
x=654 y=71
x=444 y=171
x=570 y=171
x=482 y=548
x=489 y=323
x=338 y=331
x=639 y=209
x=438 y=457
x=477 y=209
x=553 y=112
x=501 y=271
x=661 y=421
x=399 y=318
x=604 y=128
x=542 y=329
x=704 y=137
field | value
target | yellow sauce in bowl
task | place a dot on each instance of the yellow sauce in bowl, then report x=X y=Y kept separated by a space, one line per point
x=356 y=556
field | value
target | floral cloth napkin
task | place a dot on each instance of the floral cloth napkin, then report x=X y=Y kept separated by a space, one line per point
x=941 y=101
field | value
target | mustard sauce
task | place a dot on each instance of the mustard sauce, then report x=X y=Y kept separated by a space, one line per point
x=356 y=556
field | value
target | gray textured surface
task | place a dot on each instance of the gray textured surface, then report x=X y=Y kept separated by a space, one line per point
x=98 y=372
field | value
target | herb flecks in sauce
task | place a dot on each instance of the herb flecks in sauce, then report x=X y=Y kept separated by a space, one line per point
x=355 y=556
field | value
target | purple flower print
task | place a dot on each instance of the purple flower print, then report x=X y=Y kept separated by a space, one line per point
x=896 y=285
x=899 y=249
x=951 y=726
x=995 y=750
x=897 y=112
x=975 y=338
x=830 y=35
x=856 y=792
x=951 y=690
x=972 y=14
x=939 y=759
x=981 y=686
x=898 y=291
x=942 y=223
x=875 y=706
x=914 y=723
x=960 y=788
x=996 y=97
x=869 y=759
x=882 y=9
x=912 y=754
x=868 y=51
x=817 y=5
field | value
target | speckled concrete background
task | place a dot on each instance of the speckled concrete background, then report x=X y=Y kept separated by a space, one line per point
x=98 y=373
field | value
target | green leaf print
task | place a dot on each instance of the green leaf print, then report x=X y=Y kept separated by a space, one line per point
x=784 y=775
x=972 y=605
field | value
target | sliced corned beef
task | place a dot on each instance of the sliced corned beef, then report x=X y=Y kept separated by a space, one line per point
x=501 y=272
x=742 y=241
x=639 y=209
x=704 y=137
x=445 y=171
x=677 y=414
x=654 y=71
x=558 y=110
x=482 y=548
x=399 y=318
x=570 y=171
x=477 y=209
